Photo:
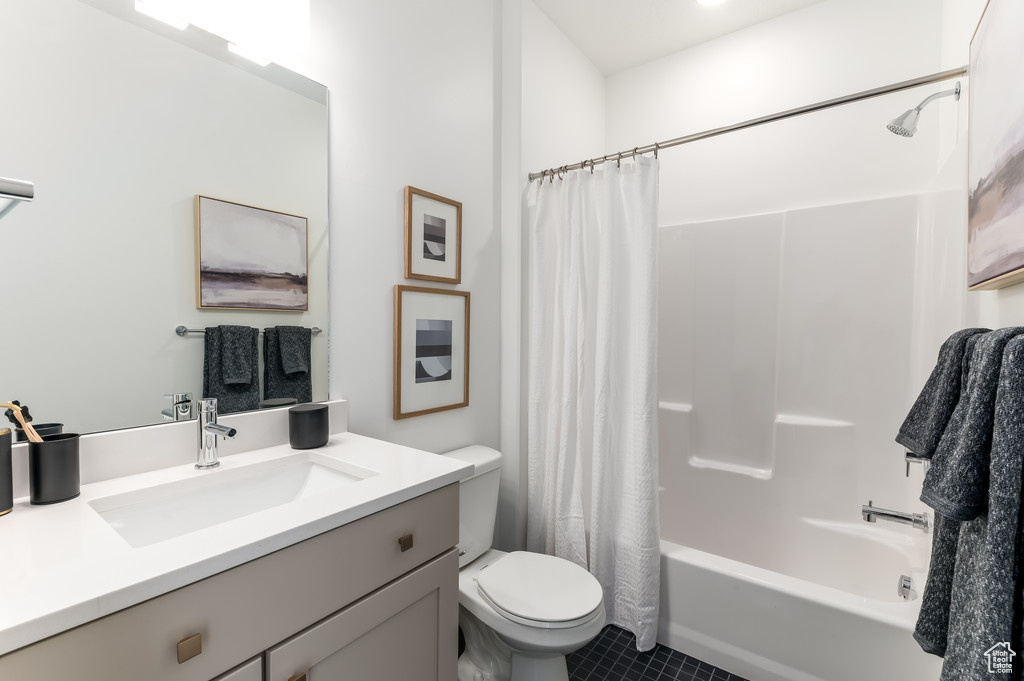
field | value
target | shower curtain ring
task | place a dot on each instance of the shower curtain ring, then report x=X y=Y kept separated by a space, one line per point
x=655 y=150
x=618 y=161
x=634 y=151
x=551 y=177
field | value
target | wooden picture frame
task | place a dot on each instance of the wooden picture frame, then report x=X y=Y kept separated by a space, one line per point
x=433 y=237
x=250 y=258
x=431 y=350
x=995 y=150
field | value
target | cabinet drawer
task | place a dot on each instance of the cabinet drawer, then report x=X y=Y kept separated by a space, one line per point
x=243 y=611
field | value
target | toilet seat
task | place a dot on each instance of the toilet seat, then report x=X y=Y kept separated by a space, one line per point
x=540 y=591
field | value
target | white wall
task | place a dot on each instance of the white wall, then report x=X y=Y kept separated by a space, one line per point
x=563 y=97
x=412 y=102
x=827 y=50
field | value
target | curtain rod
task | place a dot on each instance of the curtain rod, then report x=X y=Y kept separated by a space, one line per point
x=810 y=108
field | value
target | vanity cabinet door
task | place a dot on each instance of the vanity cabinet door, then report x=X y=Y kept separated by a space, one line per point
x=406 y=630
x=250 y=671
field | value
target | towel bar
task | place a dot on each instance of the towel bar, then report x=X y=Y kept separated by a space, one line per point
x=183 y=331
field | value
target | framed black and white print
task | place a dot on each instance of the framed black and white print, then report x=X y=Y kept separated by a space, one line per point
x=431 y=350
x=433 y=237
x=250 y=258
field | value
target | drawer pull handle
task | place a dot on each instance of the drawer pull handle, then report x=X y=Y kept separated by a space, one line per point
x=189 y=647
x=405 y=542
x=298 y=677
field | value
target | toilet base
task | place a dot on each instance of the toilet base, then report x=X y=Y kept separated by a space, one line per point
x=530 y=668
x=489 y=658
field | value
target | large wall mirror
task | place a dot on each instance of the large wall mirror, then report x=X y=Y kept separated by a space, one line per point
x=120 y=126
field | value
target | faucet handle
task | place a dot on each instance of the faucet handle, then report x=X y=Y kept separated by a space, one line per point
x=181 y=407
x=910 y=457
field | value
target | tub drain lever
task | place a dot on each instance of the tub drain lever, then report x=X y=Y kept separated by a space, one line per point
x=904 y=589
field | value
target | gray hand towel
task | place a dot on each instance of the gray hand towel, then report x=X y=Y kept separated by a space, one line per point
x=236 y=353
x=927 y=419
x=293 y=342
x=984 y=608
x=278 y=382
x=235 y=395
x=956 y=485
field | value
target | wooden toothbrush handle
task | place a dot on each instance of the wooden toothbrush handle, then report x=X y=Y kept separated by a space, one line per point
x=33 y=436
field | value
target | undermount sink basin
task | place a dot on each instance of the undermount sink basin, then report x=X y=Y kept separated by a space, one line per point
x=160 y=512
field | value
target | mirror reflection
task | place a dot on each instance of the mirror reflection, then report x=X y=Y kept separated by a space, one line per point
x=119 y=127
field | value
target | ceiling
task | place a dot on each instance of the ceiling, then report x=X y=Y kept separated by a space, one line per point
x=620 y=34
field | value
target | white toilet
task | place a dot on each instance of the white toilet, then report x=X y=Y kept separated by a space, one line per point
x=521 y=613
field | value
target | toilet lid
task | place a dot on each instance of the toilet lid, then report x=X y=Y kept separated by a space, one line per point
x=540 y=588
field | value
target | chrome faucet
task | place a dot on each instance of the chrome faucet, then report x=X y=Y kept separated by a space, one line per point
x=870 y=513
x=209 y=430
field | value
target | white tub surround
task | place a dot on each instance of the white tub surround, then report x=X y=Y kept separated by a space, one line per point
x=65 y=565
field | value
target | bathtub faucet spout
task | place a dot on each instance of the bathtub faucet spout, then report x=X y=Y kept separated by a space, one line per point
x=918 y=521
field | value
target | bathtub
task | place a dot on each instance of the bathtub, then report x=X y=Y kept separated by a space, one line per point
x=832 y=615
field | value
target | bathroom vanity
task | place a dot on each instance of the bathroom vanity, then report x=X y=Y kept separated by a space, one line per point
x=359 y=581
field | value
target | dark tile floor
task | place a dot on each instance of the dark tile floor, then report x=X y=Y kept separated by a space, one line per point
x=612 y=656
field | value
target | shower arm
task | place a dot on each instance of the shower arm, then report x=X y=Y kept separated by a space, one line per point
x=945 y=93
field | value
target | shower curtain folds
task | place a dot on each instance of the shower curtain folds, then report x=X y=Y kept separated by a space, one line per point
x=592 y=405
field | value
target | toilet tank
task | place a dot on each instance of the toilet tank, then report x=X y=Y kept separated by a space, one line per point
x=478 y=501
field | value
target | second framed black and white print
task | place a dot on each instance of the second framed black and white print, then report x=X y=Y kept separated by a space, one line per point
x=433 y=237
x=431 y=350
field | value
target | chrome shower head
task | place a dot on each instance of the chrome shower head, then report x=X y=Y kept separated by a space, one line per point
x=905 y=125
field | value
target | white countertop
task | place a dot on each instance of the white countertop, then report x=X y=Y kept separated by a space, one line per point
x=63 y=565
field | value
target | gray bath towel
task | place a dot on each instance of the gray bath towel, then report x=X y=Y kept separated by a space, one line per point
x=286 y=363
x=984 y=609
x=927 y=419
x=956 y=485
x=932 y=627
x=231 y=368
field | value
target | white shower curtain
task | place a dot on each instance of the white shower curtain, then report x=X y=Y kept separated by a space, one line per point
x=592 y=412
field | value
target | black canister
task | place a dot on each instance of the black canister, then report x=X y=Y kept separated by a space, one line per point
x=308 y=426
x=53 y=472
x=43 y=429
x=6 y=474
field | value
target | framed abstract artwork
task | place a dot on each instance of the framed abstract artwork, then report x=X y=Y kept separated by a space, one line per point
x=433 y=237
x=250 y=258
x=995 y=150
x=431 y=350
